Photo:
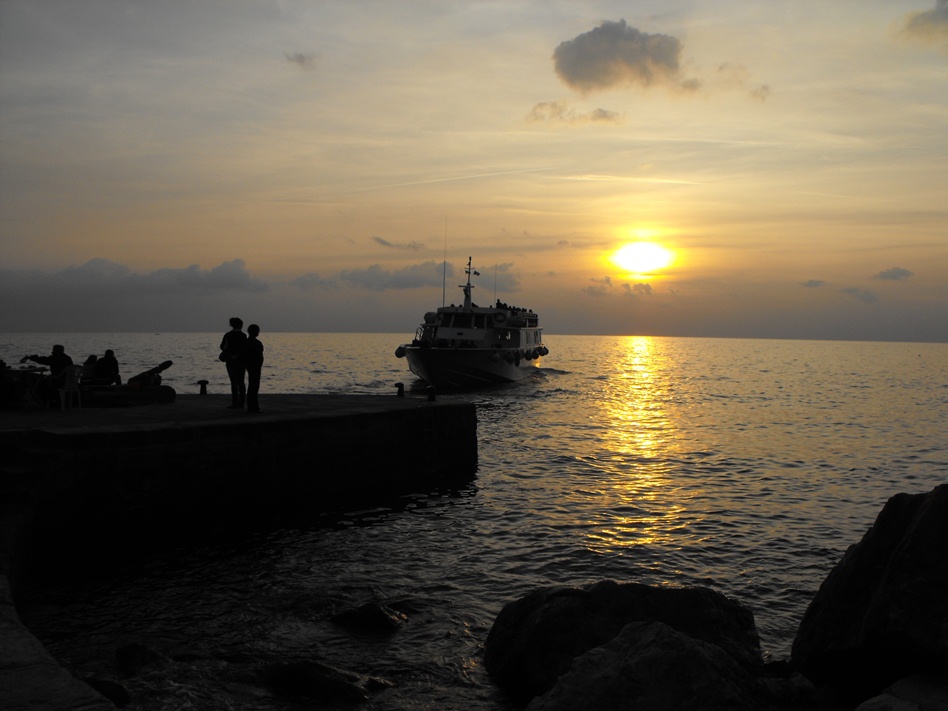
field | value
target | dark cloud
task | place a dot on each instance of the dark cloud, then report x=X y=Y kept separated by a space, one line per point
x=616 y=55
x=600 y=287
x=312 y=280
x=412 y=246
x=303 y=61
x=503 y=278
x=101 y=295
x=105 y=276
x=862 y=295
x=227 y=276
x=814 y=283
x=638 y=289
x=605 y=287
x=375 y=278
x=893 y=274
x=929 y=25
x=562 y=112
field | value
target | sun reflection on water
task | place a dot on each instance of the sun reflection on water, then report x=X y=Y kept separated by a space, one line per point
x=636 y=438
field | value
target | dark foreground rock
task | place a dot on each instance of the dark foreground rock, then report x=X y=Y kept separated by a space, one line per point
x=534 y=640
x=652 y=667
x=914 y=693
x=882 y=613
x=30 y=679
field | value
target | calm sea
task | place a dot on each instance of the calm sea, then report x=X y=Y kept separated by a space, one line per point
x=747 y=466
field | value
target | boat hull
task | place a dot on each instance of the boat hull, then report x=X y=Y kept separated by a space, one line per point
x=460 y=368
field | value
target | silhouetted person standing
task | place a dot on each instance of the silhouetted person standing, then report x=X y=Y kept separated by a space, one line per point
x=57 y=362
x=252 y=356
x=231 y=345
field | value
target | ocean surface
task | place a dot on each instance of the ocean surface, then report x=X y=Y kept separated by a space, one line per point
x=747 y=466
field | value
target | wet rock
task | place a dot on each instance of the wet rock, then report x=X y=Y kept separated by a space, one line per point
x=371 y=617
x=882 y=613
x=134 y=658
x=308 y=678
x=535 y=639
x=915 y=693
x=648 y=665
x=112 y=690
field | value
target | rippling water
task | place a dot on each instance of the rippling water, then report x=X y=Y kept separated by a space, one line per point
x=743 y=465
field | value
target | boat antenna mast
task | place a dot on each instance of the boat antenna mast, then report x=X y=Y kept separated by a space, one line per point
x=444 y=263
x=467 y=287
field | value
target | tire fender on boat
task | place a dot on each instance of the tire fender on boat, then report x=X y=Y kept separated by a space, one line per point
x=400 y=352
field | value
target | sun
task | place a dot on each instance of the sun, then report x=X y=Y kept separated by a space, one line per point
x=642 y=257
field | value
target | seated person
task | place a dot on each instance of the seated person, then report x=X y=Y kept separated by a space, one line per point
x=107 y=370
x=88 y=370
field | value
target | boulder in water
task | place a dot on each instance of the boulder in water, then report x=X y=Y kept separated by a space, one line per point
x=535 y=639
x=648 y=665
x=882 y=613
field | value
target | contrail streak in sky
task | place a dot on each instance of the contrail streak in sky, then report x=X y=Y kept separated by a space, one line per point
x=457 y=178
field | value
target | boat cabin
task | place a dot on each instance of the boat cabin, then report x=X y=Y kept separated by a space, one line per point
x=501 y=326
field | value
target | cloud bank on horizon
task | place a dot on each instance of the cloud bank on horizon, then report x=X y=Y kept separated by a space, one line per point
x=104 y=296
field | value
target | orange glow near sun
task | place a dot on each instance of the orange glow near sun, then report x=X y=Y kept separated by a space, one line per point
x=642 y=257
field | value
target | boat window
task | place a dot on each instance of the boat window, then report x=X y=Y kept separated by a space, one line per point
x=462 y=321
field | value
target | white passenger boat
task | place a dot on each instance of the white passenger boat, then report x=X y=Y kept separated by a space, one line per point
x=469 y=346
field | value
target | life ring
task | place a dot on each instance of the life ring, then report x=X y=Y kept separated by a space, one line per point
x=500 y=317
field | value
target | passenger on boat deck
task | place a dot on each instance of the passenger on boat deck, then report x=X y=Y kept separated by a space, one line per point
x=57 y=362
x=107 y=370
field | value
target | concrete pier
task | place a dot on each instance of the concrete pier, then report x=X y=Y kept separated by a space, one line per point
x=116 y=472
x=195 y=459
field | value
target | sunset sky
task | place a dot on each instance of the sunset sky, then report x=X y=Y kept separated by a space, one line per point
x=309 y=165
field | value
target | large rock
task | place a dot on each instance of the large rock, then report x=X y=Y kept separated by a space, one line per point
x=652 y=667
x=915 y=693
x=535 y=639
x=882 y=613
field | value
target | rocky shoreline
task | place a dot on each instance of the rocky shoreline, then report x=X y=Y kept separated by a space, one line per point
x=874 y=638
